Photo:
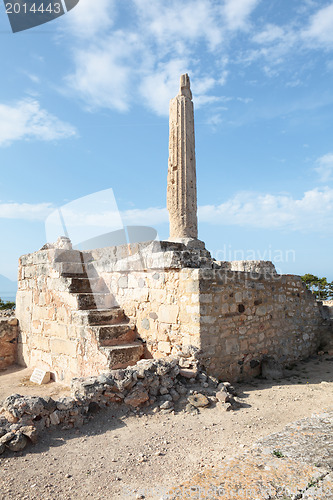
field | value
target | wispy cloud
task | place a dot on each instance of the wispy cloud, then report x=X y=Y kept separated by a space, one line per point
x=114 y=68
x=320 y=29
x=117 y=63
x=90 y=18
x=324 y=167
x=311 y=212
x=26 y=120
x=237 y=13
x=25 y=211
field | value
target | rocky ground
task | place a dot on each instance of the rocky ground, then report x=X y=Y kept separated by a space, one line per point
x=120 y=455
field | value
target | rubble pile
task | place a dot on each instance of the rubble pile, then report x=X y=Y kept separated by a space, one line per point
x=164 y=385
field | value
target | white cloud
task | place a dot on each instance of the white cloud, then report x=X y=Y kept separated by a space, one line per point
x=237 y=13
x=170 y=22
x=101 y=78
x=145 y=217
x=324 y=167
x=25 y=211
x=157 y=87
x=270 y=34
x=89 y=18
x=312 y=212
x=145 y=59
x=320 y=29
x=27 y=120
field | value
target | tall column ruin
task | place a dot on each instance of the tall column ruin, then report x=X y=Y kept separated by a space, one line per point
x=182 y=183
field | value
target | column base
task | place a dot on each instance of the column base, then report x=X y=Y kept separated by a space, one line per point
x=189 y=243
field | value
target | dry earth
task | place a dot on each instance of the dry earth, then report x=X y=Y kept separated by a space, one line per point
x=126 y=456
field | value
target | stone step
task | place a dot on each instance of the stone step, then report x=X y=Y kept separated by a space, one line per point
x=97 y=317
x=67 y=256
x=87 y=285
x=93 y=300
x=112 y=335
x=71 y=269
x=123 y=355
x=79 y=285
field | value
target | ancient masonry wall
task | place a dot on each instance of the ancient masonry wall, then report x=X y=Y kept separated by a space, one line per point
x=175 y=300
x=52 y=333
x=246 y=316
x=8 y=341
x=163 y=303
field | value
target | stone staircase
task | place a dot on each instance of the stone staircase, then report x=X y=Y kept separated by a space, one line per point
x=116 y=336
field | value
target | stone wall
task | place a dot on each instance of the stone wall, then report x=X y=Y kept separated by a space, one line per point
x=52 y=333
x=235 y=313
x=245 y=316
x=8 y=341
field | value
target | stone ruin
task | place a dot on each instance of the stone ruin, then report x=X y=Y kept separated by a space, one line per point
x=82 y=313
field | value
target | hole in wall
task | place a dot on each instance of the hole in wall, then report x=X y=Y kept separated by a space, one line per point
x=241 y=308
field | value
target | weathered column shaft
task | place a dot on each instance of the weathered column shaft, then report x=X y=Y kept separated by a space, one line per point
x=182 y=184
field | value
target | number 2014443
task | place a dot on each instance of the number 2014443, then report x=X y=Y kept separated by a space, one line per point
x=25 y=8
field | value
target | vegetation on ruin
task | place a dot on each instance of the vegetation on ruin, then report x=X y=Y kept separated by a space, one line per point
x=6 y=305
x=320 y=287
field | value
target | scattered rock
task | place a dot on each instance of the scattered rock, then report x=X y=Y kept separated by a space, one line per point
x=18 y=443
x=54 y=418
x=198 y=400
x=188 y=373
x=166 y=405
x=30 y=432
x=223 y=395
x=137 y=397
x=65 y=404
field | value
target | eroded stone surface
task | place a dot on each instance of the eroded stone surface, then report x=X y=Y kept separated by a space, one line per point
x=182 y=188
x=292 y=464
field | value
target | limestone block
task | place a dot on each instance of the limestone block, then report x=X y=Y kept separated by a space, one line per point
x=164 y=347
x=66 y=347
x=168 y=313
x=40 y=313
x=157 y=295
x=231 y=346
x=39 y=342
x=193 y=309
x=206 y=298
x=58 y=330
x=261 y=310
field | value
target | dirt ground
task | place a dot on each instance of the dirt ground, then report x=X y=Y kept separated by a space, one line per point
x=17 y=380
x=126 y=456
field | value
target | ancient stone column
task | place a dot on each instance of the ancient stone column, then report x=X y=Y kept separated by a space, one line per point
x=182 y=184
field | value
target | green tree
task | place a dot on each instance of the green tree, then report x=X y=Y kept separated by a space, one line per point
x=320 y=287
x=6 y=305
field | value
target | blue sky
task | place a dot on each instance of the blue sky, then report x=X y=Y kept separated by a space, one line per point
x=84 y=107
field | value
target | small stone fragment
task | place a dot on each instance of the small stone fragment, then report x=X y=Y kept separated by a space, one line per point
x=30 y=432
x=54 y=418
x=137 y=397
x=198 y=400
x=223 y=395
x=166 y=405
x=188 y=373
x=18 y=443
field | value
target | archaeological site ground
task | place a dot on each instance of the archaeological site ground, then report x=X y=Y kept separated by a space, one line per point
x=170 y=374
